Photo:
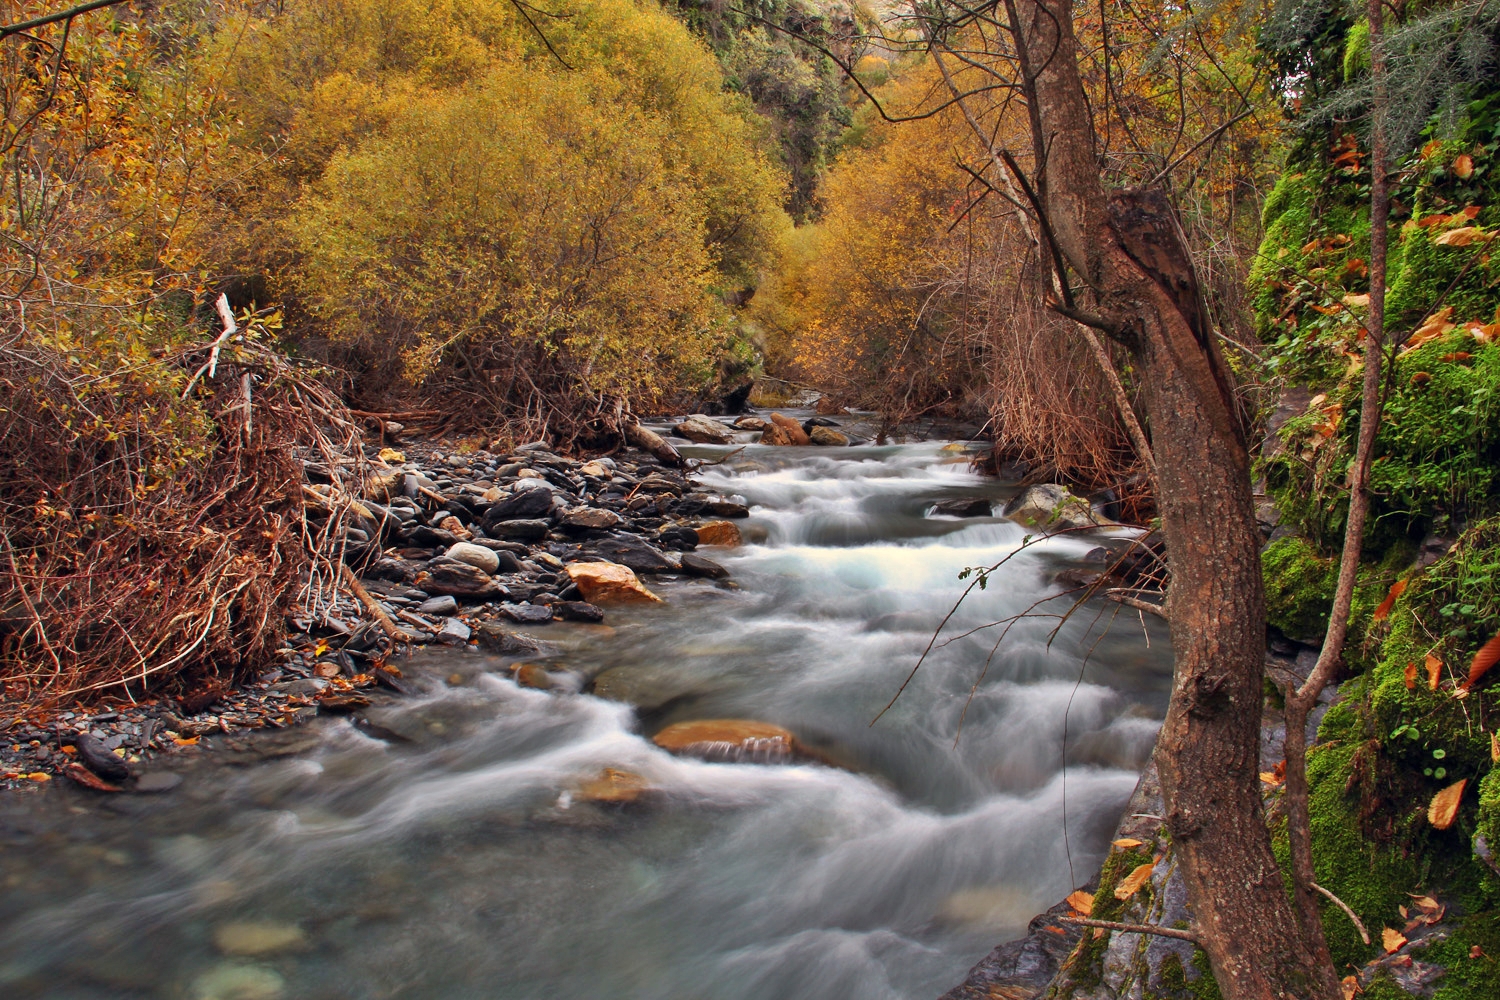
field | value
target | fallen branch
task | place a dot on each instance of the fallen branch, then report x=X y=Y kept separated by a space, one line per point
x=1113 y=925
x=1364 y=935
x=1135 y=602
x=211 y=366
x=372 y=605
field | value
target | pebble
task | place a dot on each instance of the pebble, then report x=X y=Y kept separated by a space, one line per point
x=454 y=632
x=446 y=604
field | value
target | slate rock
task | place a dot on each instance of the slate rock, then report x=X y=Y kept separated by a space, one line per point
x=519 y=530
x=628 y=550
x=677 y=537
x=449 y=576
x=578 y=611
x=527 y=614
x=521 y=505
x=445 y=605
x=453 y=633
x=496 y=638
x=965 y=507
x=696 y=565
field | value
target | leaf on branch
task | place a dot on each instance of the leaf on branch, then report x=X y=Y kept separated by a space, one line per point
x=1391 y=940
x=1434 y=672
x=1383 y=612
x=1082 y=901
x=1132 y=883
x=1487 y=656
x=1444 y=808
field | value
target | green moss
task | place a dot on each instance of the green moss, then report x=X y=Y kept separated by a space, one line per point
x=1357 y=49
x=1488 y=825
x=1084 y=968
x=1299 y=588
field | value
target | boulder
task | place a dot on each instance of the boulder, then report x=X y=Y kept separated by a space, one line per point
x=704 y=430
x=728 y=740
x=828 y=437
x=678 y=537
x=628 y=550
x=965 y=507
x=578 y=611
x=749 y=423
x=719 y=533
x=790 y=432
x=591 y=519
x=475 y=555
x=1051 y=507
x=695 y=565
x=449 y=576
x=606 y=582
x=521 y=530
x=520 y=505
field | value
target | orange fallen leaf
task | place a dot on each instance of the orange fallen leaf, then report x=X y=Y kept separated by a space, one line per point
x=1270 y=778
x=39 y=776
x=1349 y=987
x=1443 y=809
x=1125 y=843
x=1410 y=674
x=88 y=779
x=1434 y=672
x=1132 y=883
x=1459 y=356
x=1421 y=378
x=1476 y=952
x=1463 y=166
x=1463 y=237
x=1495 y=748
x=1082 y=901
x=186 y=742
x=1384 y=610
x=1487 y=656
x=1471 y=213
x=1391 y=940
x=1428 y=221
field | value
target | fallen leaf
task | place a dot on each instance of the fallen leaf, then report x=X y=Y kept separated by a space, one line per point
x=1459 y=356
x=88 y=779
x=1349 y=986
x=1125 y=843
x=1391 y=940
x=1270 y=778
x=1495 y=748
x=1082 y=901
x=1362 y=299
x=39 y=776
x=1434 y=672
x=1382 y=612
x=1471 y=213
x=1476 y=952
x=1411 y=674
x=1427 y=221
x=1421 y=378
x=391 y=455
x=1444 y=807
x=1463 y=166
x=1487 y=656
x=1132 y=883
x=1463 y=237
x=190 y=741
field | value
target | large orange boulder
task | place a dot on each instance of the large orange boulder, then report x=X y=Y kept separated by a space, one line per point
x=607 y=582
x=739 y=740
x=794 y=432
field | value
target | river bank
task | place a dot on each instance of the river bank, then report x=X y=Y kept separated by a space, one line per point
x=550 y=825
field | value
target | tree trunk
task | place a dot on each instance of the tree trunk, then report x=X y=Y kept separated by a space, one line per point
x=1129 y=250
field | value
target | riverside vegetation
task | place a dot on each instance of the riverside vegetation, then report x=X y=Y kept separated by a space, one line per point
x=244 y=244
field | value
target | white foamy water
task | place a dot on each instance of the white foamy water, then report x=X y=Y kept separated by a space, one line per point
x=454 y=858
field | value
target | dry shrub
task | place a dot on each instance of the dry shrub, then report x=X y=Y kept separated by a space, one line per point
x=147 y=538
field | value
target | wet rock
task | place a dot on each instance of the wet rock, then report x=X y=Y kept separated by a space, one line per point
x=658 y=483
x=612 y=786
x=607 y=582
x=496 y=638
x=591 y=519
x=302 y=687
x=727 y=508
x=967 y=507
x=519 y=530
x=532 y=675
x=248 y=938
x=238 y=982
x=527 y=614
x=445 y=605
x=453 y=632
x=703 y=430
x=627 y=550
x=449 y=576
x=719 y=533
x=519 y=506
x=793 y=431
x=677 y=537
x=749 y=423
x=728 y=740
x=696 y=565
x=776 y=436
x=828 y=437
x=475 y=555
x=578 y=611
x=422 y=535
x=97 y=758
x=1050 y=506
x=391 y=568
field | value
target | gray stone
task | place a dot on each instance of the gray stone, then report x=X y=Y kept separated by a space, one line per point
x=475 y=555
x=704 y=430
x=631 y=551
x=966 y=507
x=527 y=614
x=453 y=632
x=449 y=576
x=578 y=611
x=519 y=530
x=524 y=504
x=1051 y=507
x=696 y=565
x=496 y=638
x=444 y=605
x=591 y=519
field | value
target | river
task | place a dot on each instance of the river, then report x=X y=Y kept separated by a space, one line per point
x=449 y=856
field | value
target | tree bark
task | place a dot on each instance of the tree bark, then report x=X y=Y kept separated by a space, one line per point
x=1130 y=253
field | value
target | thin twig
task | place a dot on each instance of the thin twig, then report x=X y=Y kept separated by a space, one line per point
x=1115 y=925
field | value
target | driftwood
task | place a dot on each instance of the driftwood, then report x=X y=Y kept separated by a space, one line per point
x=654 y=444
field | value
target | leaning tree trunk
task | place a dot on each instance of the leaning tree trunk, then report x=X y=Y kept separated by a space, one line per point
x=1131 y=256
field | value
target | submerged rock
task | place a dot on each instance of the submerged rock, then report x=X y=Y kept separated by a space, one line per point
x=612 y=786
x=253 y=937
x=239 y=982
x=964 y=507
x=732 y=740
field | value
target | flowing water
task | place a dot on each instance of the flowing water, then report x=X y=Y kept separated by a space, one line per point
x=454 y=858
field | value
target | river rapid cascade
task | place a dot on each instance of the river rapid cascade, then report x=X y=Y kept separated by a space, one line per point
x=445 y=850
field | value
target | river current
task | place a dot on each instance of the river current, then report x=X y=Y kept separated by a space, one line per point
x=449 y=855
